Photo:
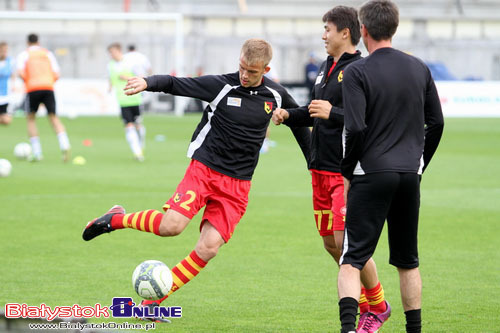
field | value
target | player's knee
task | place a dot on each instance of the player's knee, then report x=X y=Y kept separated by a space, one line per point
x=207 y=251
x=169 y=229
x=172 y=223
x=170 y=226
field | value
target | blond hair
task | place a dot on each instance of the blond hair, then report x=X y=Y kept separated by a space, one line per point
x=115 y=45
x=256 y=50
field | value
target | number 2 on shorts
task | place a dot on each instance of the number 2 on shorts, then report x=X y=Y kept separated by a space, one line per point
x=185 y=204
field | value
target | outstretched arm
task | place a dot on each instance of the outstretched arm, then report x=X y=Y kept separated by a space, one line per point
x=205 y=87
x=279 y=116
x=135 y=85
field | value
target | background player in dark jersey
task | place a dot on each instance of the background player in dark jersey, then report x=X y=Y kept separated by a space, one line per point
x=224 y=151
x=393 y=123
x=326 y=116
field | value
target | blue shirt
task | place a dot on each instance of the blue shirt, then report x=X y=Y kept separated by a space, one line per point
x=6 y=68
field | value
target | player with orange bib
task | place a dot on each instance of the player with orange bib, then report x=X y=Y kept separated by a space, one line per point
x=39 y=69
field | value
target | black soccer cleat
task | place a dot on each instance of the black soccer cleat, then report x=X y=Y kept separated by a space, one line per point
x=101 y=224
x=151 y=310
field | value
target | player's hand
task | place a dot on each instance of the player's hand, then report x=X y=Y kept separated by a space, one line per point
x=319 y=109
x=279 y=116
x=135 y=85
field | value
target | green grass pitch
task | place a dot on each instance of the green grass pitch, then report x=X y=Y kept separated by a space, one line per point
x=274 y=275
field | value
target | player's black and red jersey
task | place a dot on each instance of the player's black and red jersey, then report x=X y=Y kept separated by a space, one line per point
x=233 y=126
x=393 y=116
x=326 y=136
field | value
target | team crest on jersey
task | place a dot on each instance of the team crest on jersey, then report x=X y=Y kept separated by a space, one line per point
x=341 y=76
x=177 y=197
x=268 y=107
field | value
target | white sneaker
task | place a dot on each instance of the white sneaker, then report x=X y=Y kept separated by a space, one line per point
x=139 y=157
x=66 y=155
x=35 y=158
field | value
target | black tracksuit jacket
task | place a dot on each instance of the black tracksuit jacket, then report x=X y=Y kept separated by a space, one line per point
x=393 y=116
x=326 y=140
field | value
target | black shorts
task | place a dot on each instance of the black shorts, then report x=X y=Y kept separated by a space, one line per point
x=45 y=97
x=130 y=114
x=371 y=200
x=3 y=108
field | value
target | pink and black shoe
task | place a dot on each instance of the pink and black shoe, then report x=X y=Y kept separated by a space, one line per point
x=101 y=224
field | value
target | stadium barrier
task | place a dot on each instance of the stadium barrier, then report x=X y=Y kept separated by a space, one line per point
x=469 y=98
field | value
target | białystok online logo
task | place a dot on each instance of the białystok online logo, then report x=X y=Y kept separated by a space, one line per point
x=122 y=307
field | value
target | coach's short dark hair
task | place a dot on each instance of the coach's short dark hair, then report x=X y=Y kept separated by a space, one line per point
x=381 y=18
x=32 y=38
x=345 y=17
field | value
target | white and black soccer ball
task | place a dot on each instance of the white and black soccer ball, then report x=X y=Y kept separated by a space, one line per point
x=22 y=150
x=152 y=279
x=5 y=167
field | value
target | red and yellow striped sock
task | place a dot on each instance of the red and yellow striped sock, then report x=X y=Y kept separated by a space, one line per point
x=147 y=220
x=363 y=302
x=182 y=273
x=186 y=270
x=376 y=300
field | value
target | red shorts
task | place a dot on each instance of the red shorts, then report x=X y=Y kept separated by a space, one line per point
x=328 y=201
x=226 y=198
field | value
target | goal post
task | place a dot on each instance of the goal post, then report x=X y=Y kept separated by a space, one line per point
x=17 y=22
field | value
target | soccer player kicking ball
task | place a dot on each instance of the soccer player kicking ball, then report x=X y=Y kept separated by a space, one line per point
x=326 y=116
x=224 y=151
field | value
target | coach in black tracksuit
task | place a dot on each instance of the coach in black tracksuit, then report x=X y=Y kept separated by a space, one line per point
x=393 y=123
